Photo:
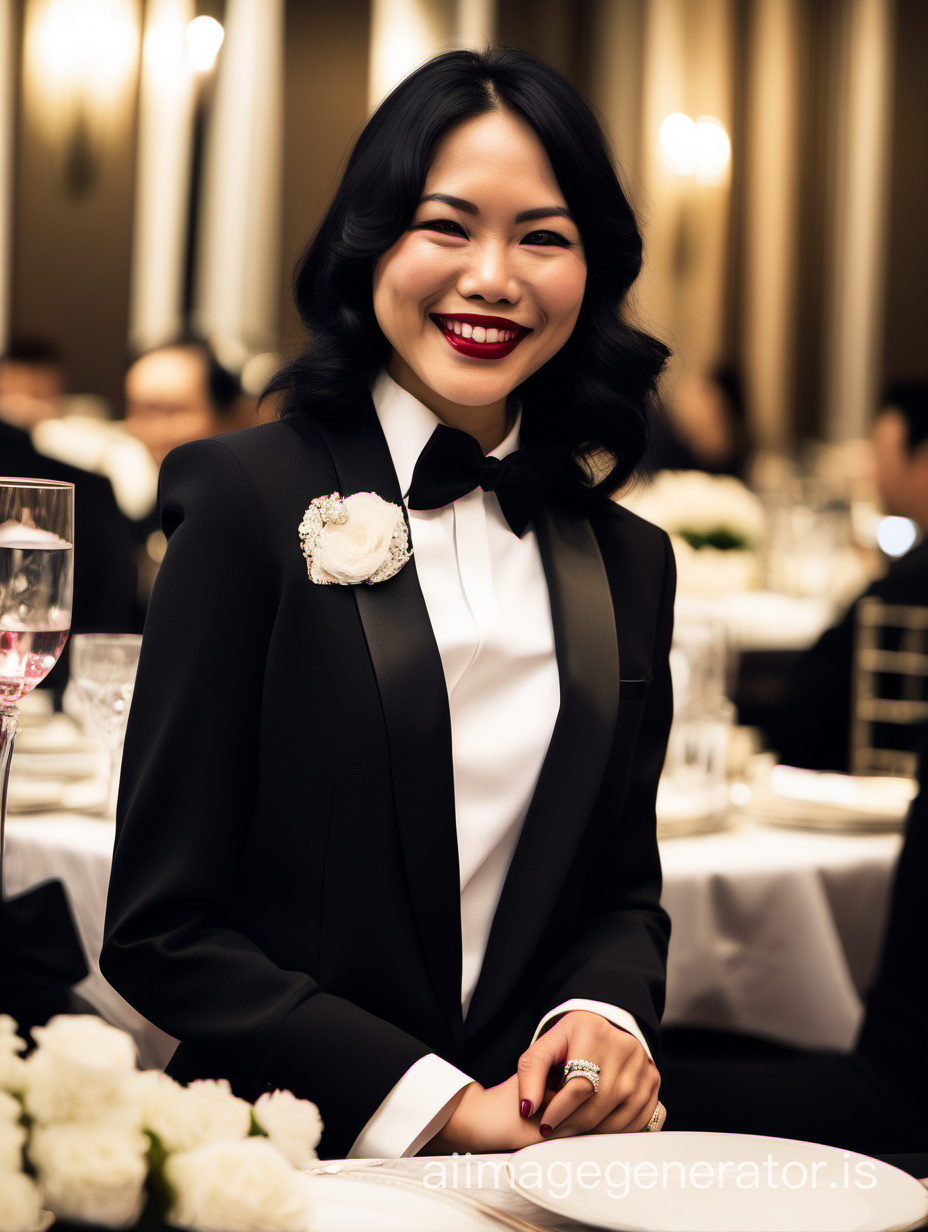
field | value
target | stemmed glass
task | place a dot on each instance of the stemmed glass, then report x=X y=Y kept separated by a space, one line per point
x=103 y=667
x=36 y=581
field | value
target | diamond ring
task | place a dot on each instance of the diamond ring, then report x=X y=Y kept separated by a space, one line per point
x=578 y=1068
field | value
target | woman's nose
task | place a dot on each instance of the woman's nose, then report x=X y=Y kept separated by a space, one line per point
x=490 y=275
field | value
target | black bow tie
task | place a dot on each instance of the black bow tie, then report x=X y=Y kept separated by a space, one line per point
x=452 y=464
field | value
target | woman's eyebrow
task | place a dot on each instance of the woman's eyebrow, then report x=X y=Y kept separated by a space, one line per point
x=545 y=211
x=457 y=202
x=468 y=207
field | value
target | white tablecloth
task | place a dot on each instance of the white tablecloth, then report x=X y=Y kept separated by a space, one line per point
x=774 y=931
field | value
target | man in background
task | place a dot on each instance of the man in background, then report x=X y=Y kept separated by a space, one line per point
x=31 y=382
x=179 y=392
x=811 y=726
x=175 y=393
x=31 y=386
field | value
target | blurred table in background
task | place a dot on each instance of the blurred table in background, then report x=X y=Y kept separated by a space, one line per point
x=774 y=931
x=760 y=620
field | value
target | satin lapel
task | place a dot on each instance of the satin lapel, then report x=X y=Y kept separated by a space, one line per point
x=411 y=682
x=588 y=664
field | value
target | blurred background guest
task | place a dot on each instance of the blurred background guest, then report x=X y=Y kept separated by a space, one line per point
x=179 y=392
x=810 y=726
x=704 y=427
x=175 y=393
x=31 y=382
x=104 y=580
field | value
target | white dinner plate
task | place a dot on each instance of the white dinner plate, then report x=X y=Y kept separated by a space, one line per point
x=845 y=803
x=386 y=1203
x=701 y=1182
x=40 y=795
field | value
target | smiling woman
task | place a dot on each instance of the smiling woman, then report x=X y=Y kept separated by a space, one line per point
x=474 y=245
x=593 y=394
x=400 y=856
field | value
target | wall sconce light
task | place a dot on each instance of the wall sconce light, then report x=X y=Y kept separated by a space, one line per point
x=81 y=56
x=699 y=148
x=204 y=38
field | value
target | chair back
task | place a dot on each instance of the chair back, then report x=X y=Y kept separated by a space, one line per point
x=890 y=687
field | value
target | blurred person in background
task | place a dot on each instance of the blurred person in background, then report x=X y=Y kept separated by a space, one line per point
x=31 y=382
x=704 y=427
x=810 y=726
x=179 y=392
x=175 y=393
x=32 y=378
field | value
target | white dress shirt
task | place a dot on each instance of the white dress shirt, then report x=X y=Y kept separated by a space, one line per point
x=488 y=604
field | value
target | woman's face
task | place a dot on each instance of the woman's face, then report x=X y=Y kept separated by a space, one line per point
x=486 y=284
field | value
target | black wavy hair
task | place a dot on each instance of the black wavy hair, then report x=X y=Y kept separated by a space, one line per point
x=595 y=394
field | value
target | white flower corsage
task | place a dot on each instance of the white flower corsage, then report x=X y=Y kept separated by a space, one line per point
x=361 y=538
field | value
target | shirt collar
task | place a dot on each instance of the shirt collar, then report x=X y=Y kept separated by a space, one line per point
x=407 y=424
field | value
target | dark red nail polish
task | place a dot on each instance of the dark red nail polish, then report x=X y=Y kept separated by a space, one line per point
x=526 y=1109
x=545 y=1130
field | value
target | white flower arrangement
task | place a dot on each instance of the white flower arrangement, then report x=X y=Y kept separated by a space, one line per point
x=88 y=1137
x=696 y=506
x=359 y=538
x=716 y=526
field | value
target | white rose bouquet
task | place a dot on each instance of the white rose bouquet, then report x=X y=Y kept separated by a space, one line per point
x=88 y=1137
x=715 y=523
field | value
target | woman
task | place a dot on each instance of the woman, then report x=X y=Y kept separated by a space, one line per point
x=376 y=838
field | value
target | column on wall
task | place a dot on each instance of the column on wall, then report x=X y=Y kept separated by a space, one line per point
x=162 y=175
x=686 y=69
x=237 y=284
x=406 y=32
x=856 y=300
x=770 y=219
x=7 y=102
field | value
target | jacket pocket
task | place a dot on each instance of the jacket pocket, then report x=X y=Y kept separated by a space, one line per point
x=633 y=690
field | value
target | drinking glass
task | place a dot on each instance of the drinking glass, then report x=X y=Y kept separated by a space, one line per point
x=103 y=667
x=36 y=581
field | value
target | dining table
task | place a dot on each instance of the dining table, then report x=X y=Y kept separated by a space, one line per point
x=775 y=930
x=485 y=1185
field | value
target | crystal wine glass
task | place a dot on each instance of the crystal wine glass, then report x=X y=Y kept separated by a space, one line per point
x=103 y=667
x=36 y=581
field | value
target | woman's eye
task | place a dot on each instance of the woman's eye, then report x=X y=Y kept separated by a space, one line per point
x=546 y=238
x=445 y=226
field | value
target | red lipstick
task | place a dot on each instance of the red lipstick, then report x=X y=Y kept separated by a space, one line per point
x=472 y=347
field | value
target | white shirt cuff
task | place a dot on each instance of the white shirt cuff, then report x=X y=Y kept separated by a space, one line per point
x=618 y=1017
x=413 y=1112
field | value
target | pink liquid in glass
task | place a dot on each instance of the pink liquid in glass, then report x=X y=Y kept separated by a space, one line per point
x=26 y=657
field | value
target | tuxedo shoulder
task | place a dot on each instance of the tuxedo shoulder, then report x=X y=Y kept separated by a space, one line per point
x=266 y=457
x=251 y=444
x=619 y=520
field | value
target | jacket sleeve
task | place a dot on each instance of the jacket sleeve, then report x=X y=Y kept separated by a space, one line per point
x=188 y=790
x=620 y=953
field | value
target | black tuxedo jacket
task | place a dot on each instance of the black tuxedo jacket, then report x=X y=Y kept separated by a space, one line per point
x=285 y=893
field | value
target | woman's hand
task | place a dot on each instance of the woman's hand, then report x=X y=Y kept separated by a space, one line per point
x=486 y=1119
x=628 y=1079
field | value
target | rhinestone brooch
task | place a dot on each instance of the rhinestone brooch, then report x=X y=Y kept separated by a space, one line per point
x=353 y=539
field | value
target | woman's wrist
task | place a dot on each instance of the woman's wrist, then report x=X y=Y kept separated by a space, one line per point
x=452 y=1134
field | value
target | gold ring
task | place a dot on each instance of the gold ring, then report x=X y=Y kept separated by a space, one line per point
x=657 y=1119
